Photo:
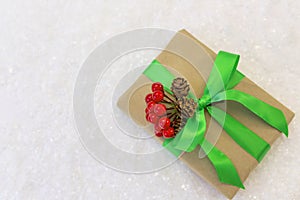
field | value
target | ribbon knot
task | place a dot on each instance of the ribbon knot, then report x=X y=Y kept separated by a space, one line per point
x=203 y=102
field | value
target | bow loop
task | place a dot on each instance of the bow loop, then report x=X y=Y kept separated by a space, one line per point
x=223 y=71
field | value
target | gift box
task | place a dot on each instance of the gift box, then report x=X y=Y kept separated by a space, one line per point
x=187 y=57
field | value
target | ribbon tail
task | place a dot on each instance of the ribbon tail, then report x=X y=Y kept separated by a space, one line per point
x=225 y=169
x=268 y=113
x=244 y=137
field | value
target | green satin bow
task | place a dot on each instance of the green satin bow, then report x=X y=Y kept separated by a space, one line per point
x=222 y=79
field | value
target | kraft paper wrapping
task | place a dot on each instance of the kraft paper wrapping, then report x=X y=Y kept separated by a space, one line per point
x=187 y=57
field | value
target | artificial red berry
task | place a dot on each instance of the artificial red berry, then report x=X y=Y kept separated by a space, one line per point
x=150 y=105
x=153 y=118
x=164 y=123
x=168 y=133
x=149 y=110
x=147 y=117
x=157 y=87
x=158 y=133
x=157 y=96
x=148 y=98
x=159 y=109
x=157 y=127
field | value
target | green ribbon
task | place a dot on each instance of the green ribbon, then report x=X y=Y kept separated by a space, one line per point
x=222 y=79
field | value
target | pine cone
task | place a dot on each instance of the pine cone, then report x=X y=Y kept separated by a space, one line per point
x=187 y=107
x=180 y=87
x=178 y=123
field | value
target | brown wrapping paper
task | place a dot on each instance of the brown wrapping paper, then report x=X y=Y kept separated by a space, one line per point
x=187 y=57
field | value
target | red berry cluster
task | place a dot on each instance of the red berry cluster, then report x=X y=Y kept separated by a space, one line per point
x=156 y=112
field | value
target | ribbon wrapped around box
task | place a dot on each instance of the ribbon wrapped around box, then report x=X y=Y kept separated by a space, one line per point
x=250 y=119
